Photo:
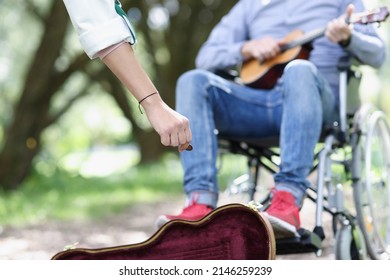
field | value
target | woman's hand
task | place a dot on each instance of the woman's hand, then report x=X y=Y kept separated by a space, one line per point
x=173 y=128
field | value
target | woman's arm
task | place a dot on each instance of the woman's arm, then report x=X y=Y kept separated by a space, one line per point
x=172 y=127
x=99 y=27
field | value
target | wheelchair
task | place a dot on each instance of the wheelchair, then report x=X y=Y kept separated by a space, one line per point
x=352 y=177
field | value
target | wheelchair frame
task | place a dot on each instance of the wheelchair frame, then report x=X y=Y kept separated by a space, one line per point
x=362 y=232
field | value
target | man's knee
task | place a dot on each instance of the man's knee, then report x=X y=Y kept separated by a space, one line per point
x=191 y=89
x=300 y=69
x=192 y=79
x=302 y=83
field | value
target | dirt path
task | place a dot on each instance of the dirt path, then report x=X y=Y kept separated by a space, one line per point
x=136 y=224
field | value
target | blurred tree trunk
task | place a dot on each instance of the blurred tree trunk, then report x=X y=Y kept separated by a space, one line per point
x=22 y=139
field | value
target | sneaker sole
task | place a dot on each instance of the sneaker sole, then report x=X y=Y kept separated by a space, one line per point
x=281 y=228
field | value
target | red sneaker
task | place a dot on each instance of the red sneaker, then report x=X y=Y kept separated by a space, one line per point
x=192 y=212
x=283 y=214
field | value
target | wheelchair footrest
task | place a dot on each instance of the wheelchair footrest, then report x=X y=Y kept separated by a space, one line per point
x=307 y=242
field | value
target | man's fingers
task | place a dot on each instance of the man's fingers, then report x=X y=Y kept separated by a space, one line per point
x=349 y=12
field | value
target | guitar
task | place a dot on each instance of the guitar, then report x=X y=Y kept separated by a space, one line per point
x=264 y=74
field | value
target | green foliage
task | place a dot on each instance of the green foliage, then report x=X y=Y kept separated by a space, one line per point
x=63 y=196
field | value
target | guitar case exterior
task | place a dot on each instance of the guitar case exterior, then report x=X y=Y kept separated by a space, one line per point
x=230 y=232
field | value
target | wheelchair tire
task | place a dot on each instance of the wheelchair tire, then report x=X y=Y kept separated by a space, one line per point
x=350 y=244
x=371 y=183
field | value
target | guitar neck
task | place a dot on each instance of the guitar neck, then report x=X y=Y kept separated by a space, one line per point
x=361 y=18
x=265 y=75
x=309 y=37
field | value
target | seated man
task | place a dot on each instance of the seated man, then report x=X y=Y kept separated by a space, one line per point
x=295 y=109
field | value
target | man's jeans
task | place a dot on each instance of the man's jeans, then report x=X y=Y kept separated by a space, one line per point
x=295 y=110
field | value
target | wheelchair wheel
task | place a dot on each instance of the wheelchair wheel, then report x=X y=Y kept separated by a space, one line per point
x=371 y=179
x=350 y=244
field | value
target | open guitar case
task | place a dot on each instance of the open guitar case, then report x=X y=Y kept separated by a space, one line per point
x=230 y=232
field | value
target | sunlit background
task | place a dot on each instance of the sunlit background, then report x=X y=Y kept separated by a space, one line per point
x=86 y=144
x=94 y=137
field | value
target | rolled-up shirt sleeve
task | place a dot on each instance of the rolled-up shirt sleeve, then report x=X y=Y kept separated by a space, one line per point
x=368 y=49
x=98 y=25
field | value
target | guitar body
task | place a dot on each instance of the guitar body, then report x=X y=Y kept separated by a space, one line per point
x=264 y=75
x=233 y=231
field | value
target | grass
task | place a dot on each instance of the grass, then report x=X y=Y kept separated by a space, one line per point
x=63 y=196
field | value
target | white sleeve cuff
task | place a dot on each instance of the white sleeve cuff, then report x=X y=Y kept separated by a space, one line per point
x=105 y=35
